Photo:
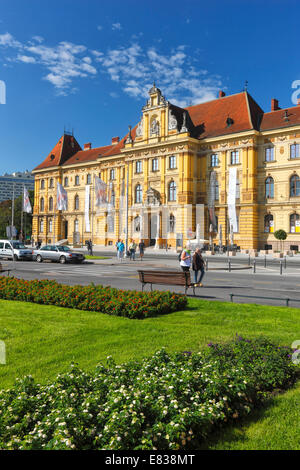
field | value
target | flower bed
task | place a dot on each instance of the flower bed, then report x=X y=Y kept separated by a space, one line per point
x=131 y=304
x=167 y=401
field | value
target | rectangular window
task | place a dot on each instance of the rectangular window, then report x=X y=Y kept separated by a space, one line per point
x=112 y=174
x=155 y=164
x=77 y=180
x=269 y=154
x=214 y=159
x=234 y=157
x=294 y=151
x=138 y=166
x=172 y=162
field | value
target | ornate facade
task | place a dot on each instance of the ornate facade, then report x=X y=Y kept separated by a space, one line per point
x=158 y=176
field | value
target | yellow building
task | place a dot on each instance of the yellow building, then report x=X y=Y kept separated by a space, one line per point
x=158 y=177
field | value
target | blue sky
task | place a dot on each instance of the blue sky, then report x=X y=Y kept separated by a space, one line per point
x=87 y=64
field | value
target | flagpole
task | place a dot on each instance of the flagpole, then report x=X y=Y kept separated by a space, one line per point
x=22 y=209
x=126 y=222
x=92 y=205
x=12 y=211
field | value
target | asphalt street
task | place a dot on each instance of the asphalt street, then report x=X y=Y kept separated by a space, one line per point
x=218 y=282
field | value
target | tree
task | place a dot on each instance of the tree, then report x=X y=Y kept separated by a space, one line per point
x=280 y=235
x=5 y=216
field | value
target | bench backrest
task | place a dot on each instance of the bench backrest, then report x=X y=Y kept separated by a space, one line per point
x=175 y=278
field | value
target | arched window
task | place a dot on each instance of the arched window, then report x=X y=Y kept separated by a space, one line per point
x=138 y=194
x=172 y=191
x=51 y=203
x=172 y=222
x=76 y=225
x=294 y=223
x=42 y=184
x=76 y=203
x=269 y=223
x=295 y=186
x=50 y=225
x=269 y=188
x=42 y=204
x=51 y=184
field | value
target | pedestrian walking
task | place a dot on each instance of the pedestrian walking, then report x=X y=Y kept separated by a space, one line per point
x=185 y=259
x=121 y=248
x=132 y=250
x=90 y=247
x=141 y=249
x=116 y=245
x=198 y=266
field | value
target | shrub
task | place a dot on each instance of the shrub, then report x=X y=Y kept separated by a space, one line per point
x=131 y=304
x=167 y=401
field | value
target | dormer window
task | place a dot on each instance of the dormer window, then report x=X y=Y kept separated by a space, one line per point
x=229 y=121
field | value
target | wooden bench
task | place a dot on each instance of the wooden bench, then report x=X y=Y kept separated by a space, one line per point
x=2 y=270
x=172 y=278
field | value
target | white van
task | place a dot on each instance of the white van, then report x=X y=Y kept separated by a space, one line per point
x=13 y=249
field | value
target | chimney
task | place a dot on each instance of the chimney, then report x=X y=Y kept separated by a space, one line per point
x=115 y=140
x=87 y=146
x=221 y=94
x=274 y=104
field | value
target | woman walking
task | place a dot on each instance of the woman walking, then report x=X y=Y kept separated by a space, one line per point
x=185 y=259
x=142 y=249
x=198 y=265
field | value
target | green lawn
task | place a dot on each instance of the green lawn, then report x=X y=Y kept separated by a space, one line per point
x=43 y=340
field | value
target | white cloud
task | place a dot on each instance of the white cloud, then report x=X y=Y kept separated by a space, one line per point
x=63 y=62
x=38 y=39
x=26 y=59
x=175 y=73
x=99 y=27
x=132 y=67
x=116 y=26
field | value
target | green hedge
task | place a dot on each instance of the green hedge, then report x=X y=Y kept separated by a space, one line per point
x=131 y=304
x=167 y=401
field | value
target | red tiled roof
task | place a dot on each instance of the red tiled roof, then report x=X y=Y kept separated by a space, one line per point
x=64 y=149
x=210 y=118
x=281 y=118
x=87 y=155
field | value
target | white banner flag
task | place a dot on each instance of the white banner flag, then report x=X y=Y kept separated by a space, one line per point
x=100 y=193
x=211 y=200
x=26 y=202
x=87 y=209
x=231 y=198
x=62 y=198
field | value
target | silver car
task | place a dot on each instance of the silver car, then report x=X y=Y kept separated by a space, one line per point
x=13 y=249
x=63 y=254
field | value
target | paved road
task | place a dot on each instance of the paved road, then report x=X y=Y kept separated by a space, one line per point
x=218 y=283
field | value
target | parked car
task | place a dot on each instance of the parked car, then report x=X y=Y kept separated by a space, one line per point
x=13 y=249
x=63 y=254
